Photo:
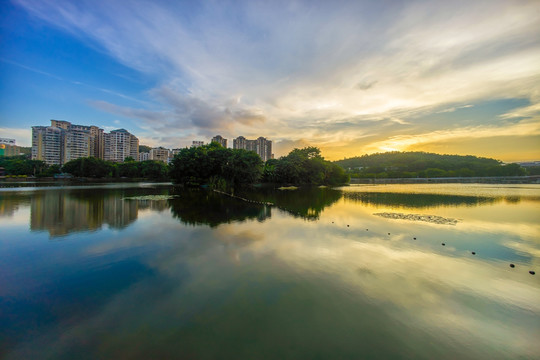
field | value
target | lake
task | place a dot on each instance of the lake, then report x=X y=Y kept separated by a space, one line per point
x=153 y=271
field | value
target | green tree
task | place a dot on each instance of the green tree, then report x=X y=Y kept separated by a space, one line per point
x=89 y=167
x=152 y=169
x=215 y=165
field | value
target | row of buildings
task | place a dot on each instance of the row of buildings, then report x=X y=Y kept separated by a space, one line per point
x=261 y=145
x=63 y=141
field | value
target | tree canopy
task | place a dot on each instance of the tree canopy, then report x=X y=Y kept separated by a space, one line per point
x=304 y=167
x=94 y=167
x=422 y=164
x=21 y=165
x=215 y=165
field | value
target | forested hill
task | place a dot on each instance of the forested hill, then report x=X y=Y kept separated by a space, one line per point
x=422 y=164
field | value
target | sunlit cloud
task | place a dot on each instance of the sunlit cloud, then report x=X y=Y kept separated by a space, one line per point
x=314 y=72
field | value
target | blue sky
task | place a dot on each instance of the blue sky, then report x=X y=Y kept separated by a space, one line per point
x=351 y=77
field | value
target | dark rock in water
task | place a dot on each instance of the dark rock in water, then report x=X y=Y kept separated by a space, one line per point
x=366 y=229
x=443 y=244
x=332 y=222
x=532 y=272
x=512 y=265
x=414 y=238
x=473 y=253
x=347 y=225
x=388 y=233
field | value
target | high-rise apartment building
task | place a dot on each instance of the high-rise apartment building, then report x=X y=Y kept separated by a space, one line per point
x=48 y=144
x=261 y=146
x=119 y=144
x=197 y=143
x=63 y=141
x=77 y=143
x=220 y=140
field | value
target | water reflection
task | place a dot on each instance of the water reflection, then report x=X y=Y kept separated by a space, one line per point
x=307 y=203
x=205 y=207
x=61 y=213
x=419 y=200
x=206 y=276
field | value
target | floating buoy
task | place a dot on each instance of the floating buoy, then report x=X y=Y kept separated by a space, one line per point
x=443 y=244
x=473 y=253
x=512 y=265
x=414 y=238
x=531 y=272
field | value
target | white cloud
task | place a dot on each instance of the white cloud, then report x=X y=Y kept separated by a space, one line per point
x=22 y=136
x=260 y=68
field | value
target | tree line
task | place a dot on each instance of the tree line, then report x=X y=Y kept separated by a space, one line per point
x=231 y=168
x=85 y=167
x=423 y=164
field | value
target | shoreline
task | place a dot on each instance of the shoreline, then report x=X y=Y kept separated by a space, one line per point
x=533 y=179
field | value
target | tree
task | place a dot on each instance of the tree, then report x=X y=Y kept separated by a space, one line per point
x=89 y=167
x=217 y=166
x=307 y=167
x=152 y=169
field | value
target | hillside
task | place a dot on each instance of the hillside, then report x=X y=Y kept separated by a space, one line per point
x=422 y=164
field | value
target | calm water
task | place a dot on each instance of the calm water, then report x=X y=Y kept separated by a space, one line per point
x=141 y=271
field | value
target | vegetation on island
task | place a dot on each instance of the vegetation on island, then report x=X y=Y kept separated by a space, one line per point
x=216 y=166
x=426 y=165
x=232 y=168
x=304 y=167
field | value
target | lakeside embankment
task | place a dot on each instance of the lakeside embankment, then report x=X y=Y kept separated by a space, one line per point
x=534 y=179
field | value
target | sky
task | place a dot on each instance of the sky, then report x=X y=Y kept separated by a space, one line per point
x=350 y=77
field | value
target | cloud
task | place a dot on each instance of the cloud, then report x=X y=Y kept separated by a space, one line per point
x=304 y=63
x=452 y=109
x=23 y=136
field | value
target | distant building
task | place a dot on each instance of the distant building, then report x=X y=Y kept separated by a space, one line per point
x=197 y=143
x=48 y=144
x=220 y=140
x=76 y=144
x=261 y=146
x=144 y=156
x=119 y=144
x=8 y=147
x=63 y=141
x=160 y=154
x=7 y=141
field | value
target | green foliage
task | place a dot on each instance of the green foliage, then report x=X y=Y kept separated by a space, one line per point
x=421 y=164
x=304 y=167
x=144 y=148
x=89 y=167
x=151 y=169
x=21 y=165
x=215 y=165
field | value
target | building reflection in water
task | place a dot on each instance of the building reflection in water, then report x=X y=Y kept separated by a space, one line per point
x=9 y=204
x=62 y=213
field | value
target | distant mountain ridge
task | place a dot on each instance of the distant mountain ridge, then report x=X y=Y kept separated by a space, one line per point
x=422 y=164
